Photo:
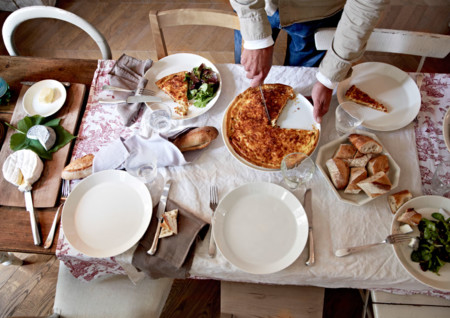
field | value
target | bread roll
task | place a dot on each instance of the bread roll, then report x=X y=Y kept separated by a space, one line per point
x=365 y=144
x=339 y=172
x=197 y=138
x=396 y=200
x=360 y=161
x=410 y=217
x=376 y=185
x=356 y=174
x=377 y=164
x=345 y=151
x=79 y=168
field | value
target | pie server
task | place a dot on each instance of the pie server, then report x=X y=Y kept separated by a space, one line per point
x=264 y=103
x=34 y=226
x=132 y=100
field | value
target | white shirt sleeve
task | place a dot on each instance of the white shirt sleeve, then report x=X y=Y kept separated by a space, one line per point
x=326 y=81
x=258 y=44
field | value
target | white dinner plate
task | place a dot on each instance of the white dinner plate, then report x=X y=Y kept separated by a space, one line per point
x=107 y=213
x=425 y=205
x=388 y=85
x=173 y=64
x=261 y=228
x=31 y=104
x=297 y=114
x=446 y=129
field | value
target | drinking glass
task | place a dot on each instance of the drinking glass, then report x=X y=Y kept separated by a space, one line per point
x=297 y=169
x=160 y=117
x=440 y=182
x=143 y=165
x=347 y=118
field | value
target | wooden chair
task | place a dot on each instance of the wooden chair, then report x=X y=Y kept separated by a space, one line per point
x=178 y=17
x=396 y=41
x=35 y=12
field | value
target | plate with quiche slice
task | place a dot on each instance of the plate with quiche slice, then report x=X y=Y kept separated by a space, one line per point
x=188 y=83
x=260 y=144
x=388 y=96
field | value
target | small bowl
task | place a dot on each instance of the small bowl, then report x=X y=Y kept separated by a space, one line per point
x=31 y=104
x=327 y=151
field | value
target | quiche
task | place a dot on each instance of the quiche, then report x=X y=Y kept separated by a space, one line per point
x=176 y=87
x=358 y=96
x=254 y=138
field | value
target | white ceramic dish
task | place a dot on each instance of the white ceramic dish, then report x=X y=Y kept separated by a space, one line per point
x=388 y=85
x=425 y=205
x=107 y=213
x=261 y=228
x=446 y=129
x=298 y=113
x=327 y=151
x=173 y=64
x=31 y=104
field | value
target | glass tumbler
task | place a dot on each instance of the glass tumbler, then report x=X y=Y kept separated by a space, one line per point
x=143 y=165
x=160 y=117
x=297 y=169
x=347 y=118
x=440 y=182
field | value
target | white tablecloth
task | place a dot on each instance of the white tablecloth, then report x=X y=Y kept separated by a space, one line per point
x=336 y=224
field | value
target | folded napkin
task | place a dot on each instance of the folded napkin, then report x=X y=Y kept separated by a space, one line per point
x=128 y=73
x=174 y=255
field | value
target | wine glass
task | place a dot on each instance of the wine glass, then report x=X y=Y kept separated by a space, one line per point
x=348 y=117
x=297 y=169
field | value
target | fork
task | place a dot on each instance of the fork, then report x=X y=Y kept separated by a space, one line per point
x=390 y=239
x=139 y=91
x=65 y=190
x=213 y=201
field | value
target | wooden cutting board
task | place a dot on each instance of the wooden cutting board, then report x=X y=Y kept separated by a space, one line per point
x=46 y=190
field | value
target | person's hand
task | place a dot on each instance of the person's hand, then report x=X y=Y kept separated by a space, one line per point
x=257 y=64
x=321 y=96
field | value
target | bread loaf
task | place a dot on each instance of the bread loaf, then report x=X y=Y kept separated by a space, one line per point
x=396 y=200
x=410 y=217
x=345 y=151
x=79 y=168
x=377 y=164
x=365 y=144
x=376 y=185
x=339 y=172
x=169 y=225
x=356 y=174
x=195 y=139
x=360 y=161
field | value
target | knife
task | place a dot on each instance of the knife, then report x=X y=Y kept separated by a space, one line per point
x=30 y=83
x=159 y=214
x=309 y=212
x=34 y=226
x=265 y=105
x=132 y=99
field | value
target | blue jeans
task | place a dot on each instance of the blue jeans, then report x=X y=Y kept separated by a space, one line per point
x=301 y=49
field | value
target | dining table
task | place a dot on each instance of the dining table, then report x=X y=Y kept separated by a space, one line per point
x=417 y=148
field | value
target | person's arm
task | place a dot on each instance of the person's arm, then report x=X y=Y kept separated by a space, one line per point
x=357 y=23
x=257 y=35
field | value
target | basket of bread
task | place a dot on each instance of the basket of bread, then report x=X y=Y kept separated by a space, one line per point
x=358 y=168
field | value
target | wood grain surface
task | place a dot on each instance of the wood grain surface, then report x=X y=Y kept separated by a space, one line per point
x=46 y=190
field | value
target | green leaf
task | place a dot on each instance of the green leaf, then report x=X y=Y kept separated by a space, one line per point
x=53 y=122
x=63 y=137
x=18 y=141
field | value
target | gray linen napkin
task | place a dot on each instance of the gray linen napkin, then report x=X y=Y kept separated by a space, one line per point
x=128 y=72
x=174 y=255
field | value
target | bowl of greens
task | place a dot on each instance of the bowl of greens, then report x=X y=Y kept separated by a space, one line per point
x=428 y=259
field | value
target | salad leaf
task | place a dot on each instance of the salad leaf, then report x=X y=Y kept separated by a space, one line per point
x=203 y=84
x=20 y=141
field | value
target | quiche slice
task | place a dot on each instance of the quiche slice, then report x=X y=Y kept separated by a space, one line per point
x=358 y=96
x=276 y=96
x=176 y=87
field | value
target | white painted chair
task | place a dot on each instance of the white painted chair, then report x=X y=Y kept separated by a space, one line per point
x=396 y=41
x=407 y=306
x=112 y=296
x=35 y=12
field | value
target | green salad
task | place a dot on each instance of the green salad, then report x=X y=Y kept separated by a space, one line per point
x=433 y=249
x=203 y=84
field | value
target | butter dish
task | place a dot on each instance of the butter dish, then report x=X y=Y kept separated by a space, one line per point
x=44 y=98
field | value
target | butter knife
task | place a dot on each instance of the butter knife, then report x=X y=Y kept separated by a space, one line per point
x=30 y=83
x=159 y=214
x=265 y=105
x=34 y=226
x=132 y=99
x=309 y=213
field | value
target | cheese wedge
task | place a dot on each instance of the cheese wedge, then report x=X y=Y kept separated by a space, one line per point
x=45 y=135
x=22 y=168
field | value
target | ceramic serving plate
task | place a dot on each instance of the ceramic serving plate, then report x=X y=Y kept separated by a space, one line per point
x=31 y=104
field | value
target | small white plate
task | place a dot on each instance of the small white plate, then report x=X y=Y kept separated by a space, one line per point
x=297 y=114
x=446 y=129
x=31 y=104
x=388 y=85
x=425 y=205
x=327 y=151
x=261 y=228
x=107 y=213
x=173 y=64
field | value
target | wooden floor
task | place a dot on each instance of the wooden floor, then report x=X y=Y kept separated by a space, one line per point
x=29 y=290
